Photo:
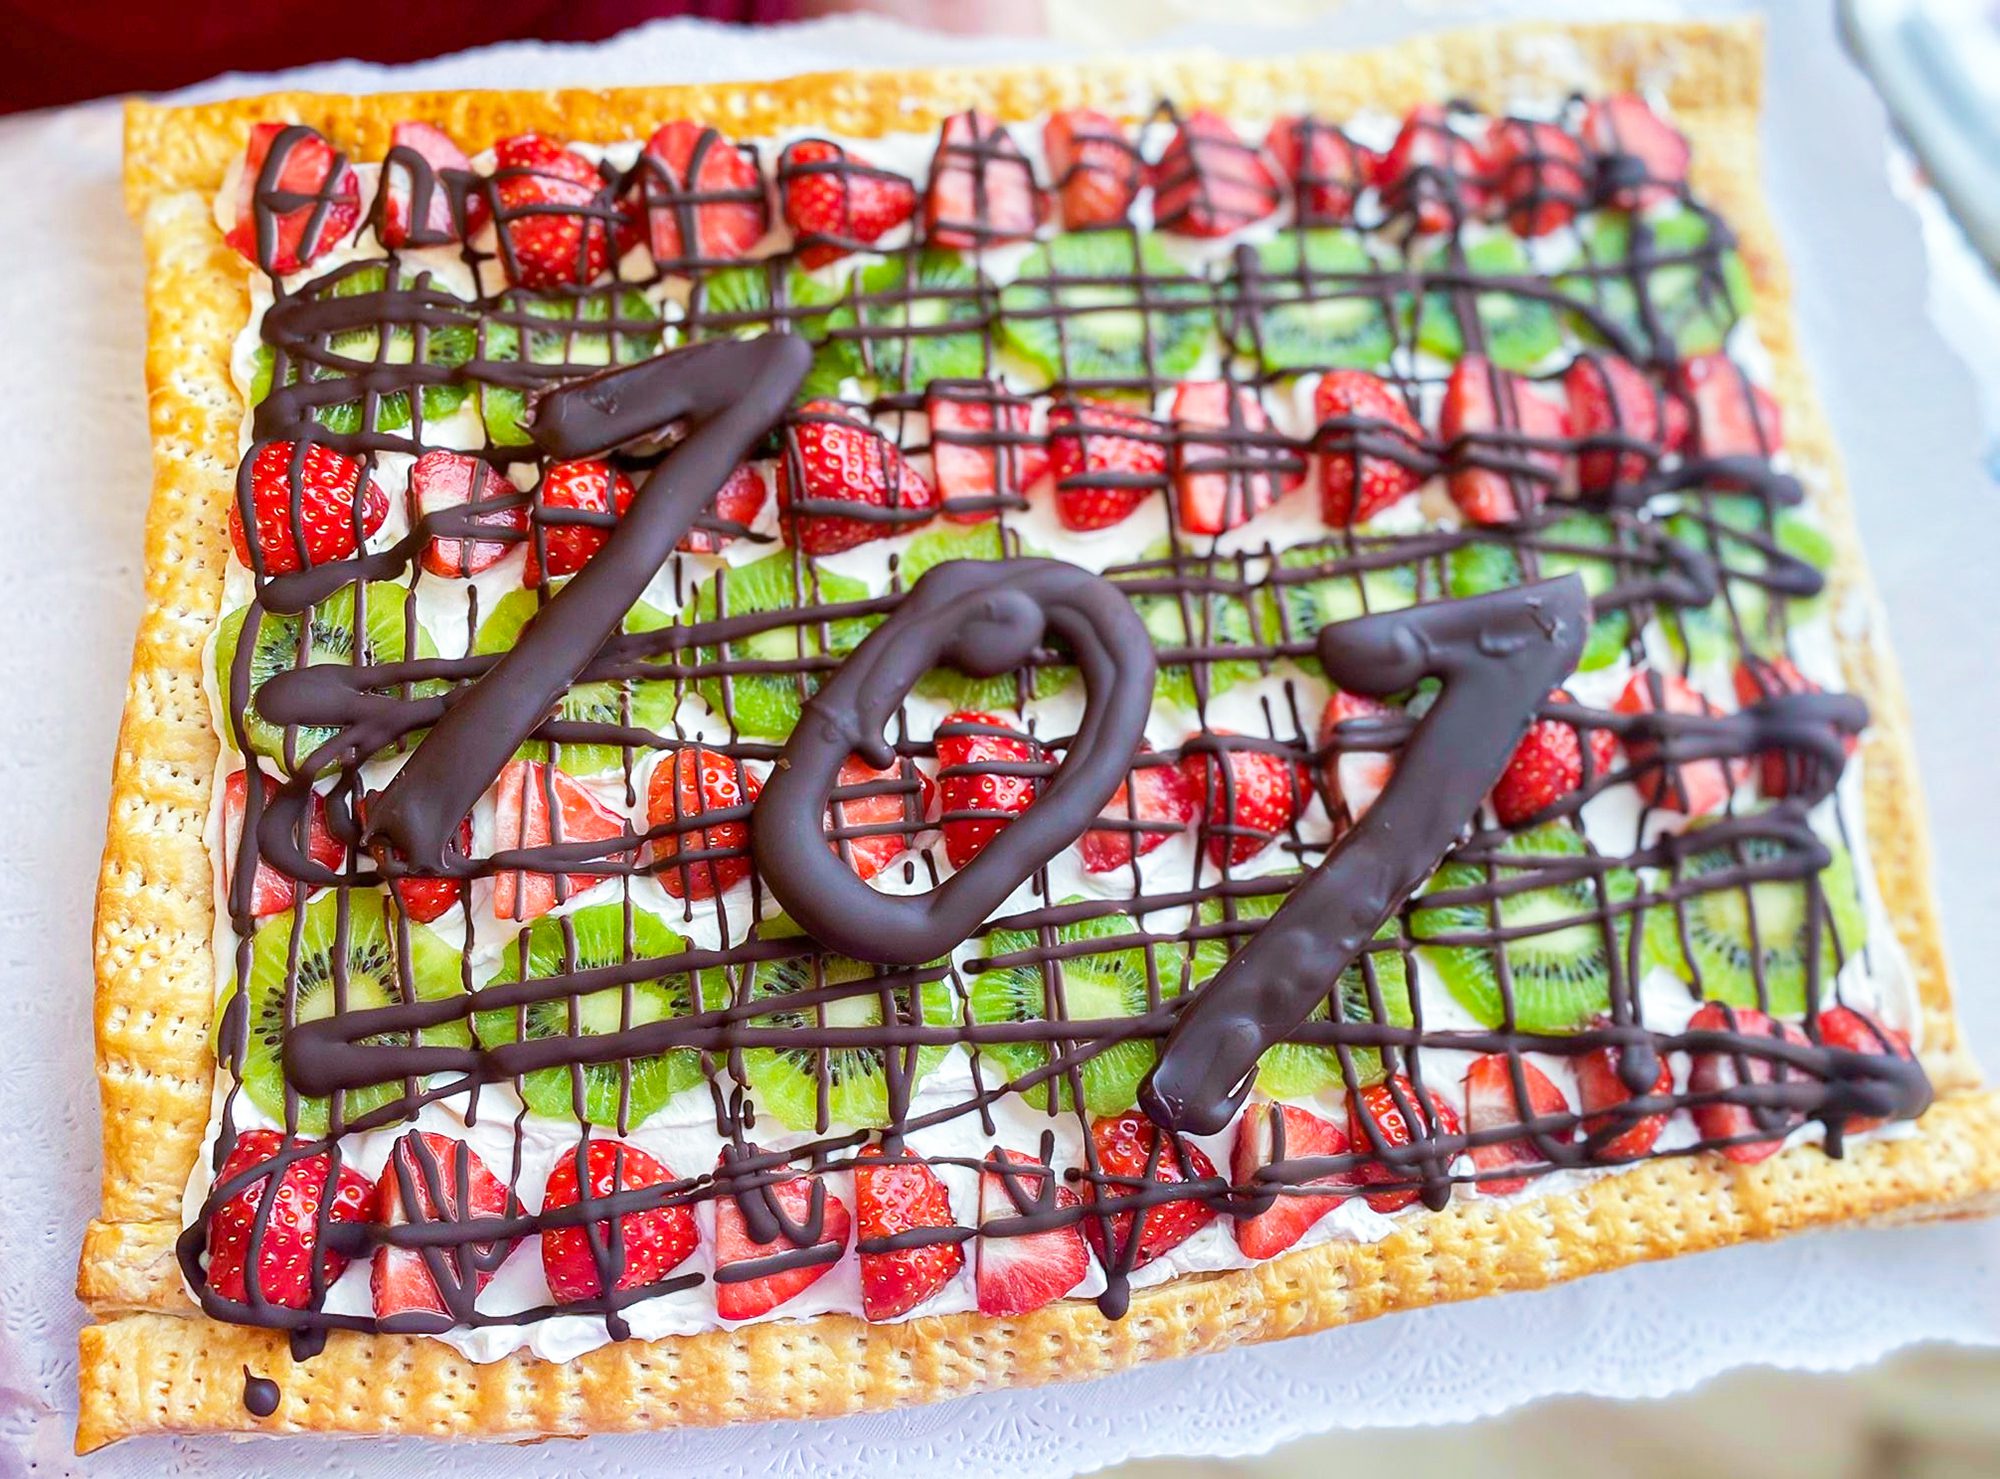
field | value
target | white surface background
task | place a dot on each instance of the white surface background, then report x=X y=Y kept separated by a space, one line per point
x=74 y=476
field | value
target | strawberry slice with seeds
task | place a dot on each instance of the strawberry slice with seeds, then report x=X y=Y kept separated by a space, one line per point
x=1732 y=417
x=327 y=484
x=434 y=147
x=1093 y=167
x=1854 y=1031
x=1105 y=461
x=1642 y=159
x=988 y=774
x=1606 y=1099
x=1021 y=1268
x=873 y=813
x=1537 y=173
x=1354 y=777
x=1624 y=420
x=310 y=1198
x=836 y=202
x=843 y=483
x=982 y=451
x=1248 y=795
x=687 y=789
x=1220 y=484
x=1694 y=786
x=1493 y=1101
x=982 y=190
x=537 y=806
x=812 y=1225
x=1267 y=1135
x=1390 y=1117
x=427 y=899
x=897 y=1201
x=1550 y=764
x=701 y=197
x=271 y=890
x=553 y=211
x=575 y=510
x=1159 y=792
x=1722 y=1071
x=1209 y=182
x=1134 y=1158
x=1432 y=172
x=435 y=1180
x=1497 y=430
x=636 y=1248
x=737 y=504
x=1781 y=772
x=1371 y=456
x=312 y=198
x=441 y=481
x=1328 y=170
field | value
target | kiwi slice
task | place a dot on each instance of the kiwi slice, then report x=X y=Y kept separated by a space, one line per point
x=767 y=705
x=1209 y=619
x=623 y=1092
x=1096 y=986
x=328 y=634
x=787 y=1082
x=1310 y=306
x=1075 y=312
x=961 y=690
x=633 y=703
x=370 y=967
x=587 y=330
x=1560 y=974
x=907 y=323
x=1707 y=634
x=1559 y=550
x=1520 y=330
x=1296 y=610
x=1726 y=938
x=754 y=298
x=1694 y=308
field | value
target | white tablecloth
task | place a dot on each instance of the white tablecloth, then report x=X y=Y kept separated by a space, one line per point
x=74 y=477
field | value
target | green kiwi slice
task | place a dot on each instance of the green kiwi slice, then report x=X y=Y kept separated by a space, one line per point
x=1561 y=972
x=600 y=326
x=1706 y=634
x=1310 y=307
x=744 y=301
x=1520 y=330
x=908 y=323
x=1692 y=308
x=1104 y=310
x=375 y=972
x=642 y=703
x=623 y=1092
x=1296 y=610
x=767 y=705
x=1723 y=940
x=961 y=690
x=328 y=634
x=1559 y=551
x=1095 y=986
x=1216 y=618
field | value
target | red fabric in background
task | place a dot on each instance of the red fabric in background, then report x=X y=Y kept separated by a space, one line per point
x=61 y=51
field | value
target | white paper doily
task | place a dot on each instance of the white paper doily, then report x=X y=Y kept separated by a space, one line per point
x=74 y=472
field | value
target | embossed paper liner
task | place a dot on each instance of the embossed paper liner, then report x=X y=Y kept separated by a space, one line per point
x=154 y=1364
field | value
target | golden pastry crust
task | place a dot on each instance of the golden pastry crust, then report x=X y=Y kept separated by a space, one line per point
x=153 y=1363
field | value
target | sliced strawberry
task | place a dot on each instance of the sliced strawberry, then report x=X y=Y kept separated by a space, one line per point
x=434 y=1180
x=1354 y=777
x=288 y=1245
x=637 y=1248
x=1538 y=174
x=1855 y=1031
x=271 y=890
x=1721 y=1071
x=1022 y=1269
x=440 y=155
x=554 y=213
x=1378 y=1120
x=1624 y=420
x=701 y=196
x=1209 y=182
x=744 y=1288
x=843 y=483
x=1369 y=446
x=441 y=481
x=1248 y=794
x=1780 y=772
x=1093 y=167
x=1106 y=461
x=836 y=202
x=896 y=1201
x=328 y=486
x=1692 y=787
x=1260 y=1143
x=1549 y=765
x=536 y=806
x=1327 y=168
x=1432 y=171
x=983 y=453
x=1732 y=417
x=1601 y=1085
x=1221 y=483
x=575 y=509
x=1159 y=793
x=982 y=190
x=988 y=774
x=310 y=197
x=1642 y=158
x=737 y=504
x=1497 y=430
x=426 y=899
x=871 y=816
x=1493 y=1102
x=687 y=789
x=1133 y=1157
